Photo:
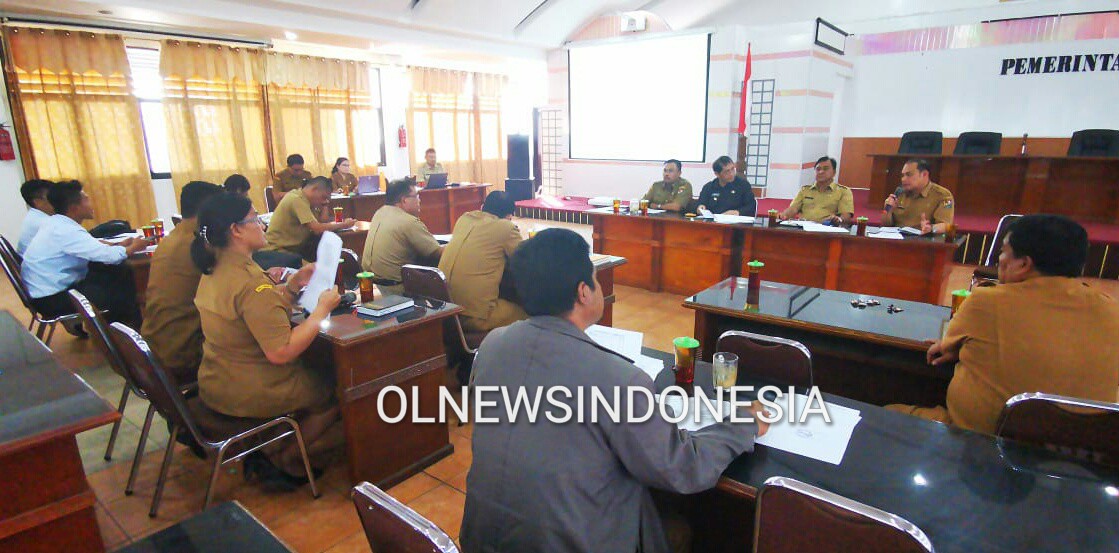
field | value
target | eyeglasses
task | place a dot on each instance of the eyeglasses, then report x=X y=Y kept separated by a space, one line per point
x=255 y=219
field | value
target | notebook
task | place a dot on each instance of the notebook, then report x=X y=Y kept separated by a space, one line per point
x=385 y=306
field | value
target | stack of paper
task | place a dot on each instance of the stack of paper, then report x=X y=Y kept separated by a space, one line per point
x=330 y=248
x=813 y=438
x=889 y=233
x=810 y=226
x=627 y=343
x=706 y=416
x=733 y=219
x=601 y=201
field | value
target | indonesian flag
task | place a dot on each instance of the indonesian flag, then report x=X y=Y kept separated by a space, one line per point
x=745 y=95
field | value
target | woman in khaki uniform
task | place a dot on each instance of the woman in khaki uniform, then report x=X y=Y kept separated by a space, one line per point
x=344 y=181
x=250 y=359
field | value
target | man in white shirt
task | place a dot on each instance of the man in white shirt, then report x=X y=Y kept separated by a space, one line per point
x=34 y=192
x=63 y=255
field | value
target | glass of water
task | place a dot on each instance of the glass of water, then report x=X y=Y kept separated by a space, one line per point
x=724 y=369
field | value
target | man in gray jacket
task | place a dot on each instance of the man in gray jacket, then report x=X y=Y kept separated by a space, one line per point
x=576 y=486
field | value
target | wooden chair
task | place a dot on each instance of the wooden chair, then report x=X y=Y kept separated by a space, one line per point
x=269 y=200
x=430 y=282
x=1080 y=428
x=349 y=267
x=393 y=527
x=988 y=273
x=13 y=264
x=794 y=517
x=775 y=359
x=217 y=436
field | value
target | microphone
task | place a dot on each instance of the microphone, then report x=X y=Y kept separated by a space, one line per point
x=897 y=193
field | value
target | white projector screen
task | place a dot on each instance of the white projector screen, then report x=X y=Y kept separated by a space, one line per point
x=642 y=100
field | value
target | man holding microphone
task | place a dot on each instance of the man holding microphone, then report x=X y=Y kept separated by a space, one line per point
x=919 y=202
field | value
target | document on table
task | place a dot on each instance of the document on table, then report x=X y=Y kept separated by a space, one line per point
x=733 y=219
x=329 y=252
x=600 y=201
x=810 y=226
x=625 y=342
x=813 y=438
x=122 y=237
x=706 y=416
x=889 y=233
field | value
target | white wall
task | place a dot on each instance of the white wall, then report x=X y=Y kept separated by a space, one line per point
x=12 y=208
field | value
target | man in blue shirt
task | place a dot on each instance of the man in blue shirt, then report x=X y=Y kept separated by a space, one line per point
x=729 y=193
x=34 y=192
x=63 y=255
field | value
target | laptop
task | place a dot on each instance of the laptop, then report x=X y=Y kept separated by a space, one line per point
x=436 y=181
x=368 y=184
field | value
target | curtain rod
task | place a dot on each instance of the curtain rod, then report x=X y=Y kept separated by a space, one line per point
x=88 y=25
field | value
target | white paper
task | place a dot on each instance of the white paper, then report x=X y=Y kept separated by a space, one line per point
x=733 y=219
x=625 y=342
x=810 y=226
x=326 y=267
x=886 y=235
x=655 y=211
x=813 y=438
x=706 y=416
x=601 y=201
x=911 y=230
x=794 y=223
x=649 y=365
x=122 y=237
x=607 y=209
x=443 y=238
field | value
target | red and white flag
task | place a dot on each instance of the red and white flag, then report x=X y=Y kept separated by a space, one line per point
x=743 y=101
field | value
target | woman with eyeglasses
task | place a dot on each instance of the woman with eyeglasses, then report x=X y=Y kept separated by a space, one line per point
x=341 y=177
x=250 y=358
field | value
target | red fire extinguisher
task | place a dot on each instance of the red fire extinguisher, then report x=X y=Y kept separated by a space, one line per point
x=402 y=137
x=7 y=152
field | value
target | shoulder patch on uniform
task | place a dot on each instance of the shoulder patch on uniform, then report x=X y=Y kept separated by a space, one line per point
x=262 y=288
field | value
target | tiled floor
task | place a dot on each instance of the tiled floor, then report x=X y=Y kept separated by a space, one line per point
x=328 y=524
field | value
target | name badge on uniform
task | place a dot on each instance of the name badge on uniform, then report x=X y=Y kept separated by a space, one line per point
x=715 y=197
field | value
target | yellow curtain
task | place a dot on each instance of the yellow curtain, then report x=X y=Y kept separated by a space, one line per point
x=323 y=109
x=82 y=120
x=458 y=114
x=214 y=109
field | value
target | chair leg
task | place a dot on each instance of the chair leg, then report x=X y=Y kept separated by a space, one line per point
x=163 y=471
x=214 y=472
x=140 y=450
x=42 y=330
x=116 y=425
x=306 y=459
x=50 y=334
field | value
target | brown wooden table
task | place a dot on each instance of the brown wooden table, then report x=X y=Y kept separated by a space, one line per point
x=439 y=209
x=1085 y=188
x=667 y=252
x=46 y=503
x=404 y=349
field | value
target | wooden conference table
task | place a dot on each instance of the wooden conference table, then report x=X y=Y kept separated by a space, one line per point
x=440 y=208
x=969 y=492
x=668 y=252
x=1085 y=188
x=865 y=354
x=46 y=503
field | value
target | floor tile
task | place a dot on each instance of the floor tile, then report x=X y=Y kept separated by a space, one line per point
x=320 y=525
x=355 y=543
x=414 y=487
x=111 y=533
x=442 y=506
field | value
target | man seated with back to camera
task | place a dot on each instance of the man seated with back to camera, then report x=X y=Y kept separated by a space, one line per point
x=1041 y=330
x=578 y=486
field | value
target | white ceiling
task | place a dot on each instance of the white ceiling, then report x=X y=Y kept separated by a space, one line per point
x=482 y=30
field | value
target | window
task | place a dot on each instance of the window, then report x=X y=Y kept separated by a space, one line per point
x=147 y=85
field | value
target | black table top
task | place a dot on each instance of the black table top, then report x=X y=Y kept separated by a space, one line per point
x=38 y=397
x=969 y=492
x=224 y=528
x=803 y=305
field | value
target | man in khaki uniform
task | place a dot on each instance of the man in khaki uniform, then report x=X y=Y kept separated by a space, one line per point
x=825 y=201
x=923 y=204
x=474 y=263
x=430 y=166
x=1041 y=330
x=398 y=237
x=171 y=326
x=294 y=229
x=673 y=193
x=290 y=178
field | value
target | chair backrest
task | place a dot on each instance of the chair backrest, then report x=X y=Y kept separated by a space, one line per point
x=12 y=249
x=921 y=142
x=99 y=331
x=151 y=378
x=393 y=527
x=12 y=268
x=429 y=282
x=1094 y=143
x=996 y=241
x=795 y=517
x=1081 y=428
x=776 y=359
x=349 y=267
x=269 y=199
x=978 y=143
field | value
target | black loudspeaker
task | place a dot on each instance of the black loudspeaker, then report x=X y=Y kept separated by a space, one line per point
x=520 y=162
x=519 y=189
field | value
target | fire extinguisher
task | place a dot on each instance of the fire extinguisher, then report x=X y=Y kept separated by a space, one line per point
x=402 y=137
x=7 y=152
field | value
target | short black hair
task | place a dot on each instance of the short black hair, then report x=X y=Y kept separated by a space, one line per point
x=721 y=163
x=34 y=189
x=834 y=163
x=318 y=181
x=295 y=159
x=429 y=151
x=397 y=189
x=237 y=184
x=547 y=270
x=499 y=203
x=676 y=162
x=922 y=164
x=63 y=195
x=1057 y=245
x=194 y=193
